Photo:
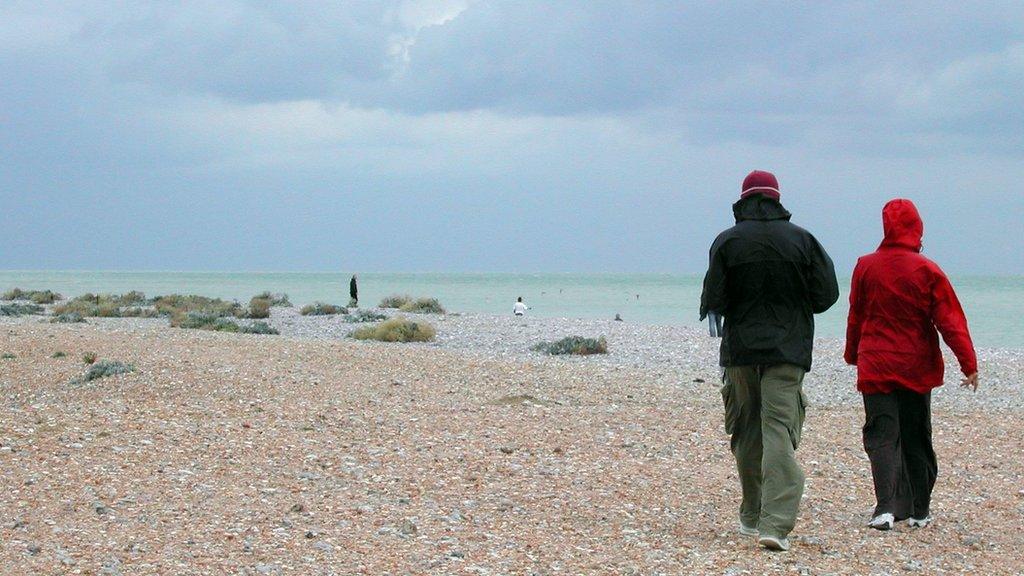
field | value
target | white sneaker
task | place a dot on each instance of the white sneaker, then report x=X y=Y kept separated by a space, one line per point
x=919 y=523
x=773 y=543
x=747 y=530
x=882 y=522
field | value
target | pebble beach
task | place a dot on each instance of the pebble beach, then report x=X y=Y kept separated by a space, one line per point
x=312 y=453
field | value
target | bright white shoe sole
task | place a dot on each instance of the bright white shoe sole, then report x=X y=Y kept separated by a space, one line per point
x=774 y=544
x=882 y=522
x=919 y=523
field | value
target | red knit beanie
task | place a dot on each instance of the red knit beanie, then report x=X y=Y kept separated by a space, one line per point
x=761 y=182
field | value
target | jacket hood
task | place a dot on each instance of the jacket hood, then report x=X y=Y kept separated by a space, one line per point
x=902 y=225
x=759 y=207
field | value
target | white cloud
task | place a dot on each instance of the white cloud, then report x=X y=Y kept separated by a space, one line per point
x=414 y=16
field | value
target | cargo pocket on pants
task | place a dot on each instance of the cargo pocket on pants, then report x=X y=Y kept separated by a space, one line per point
x=731 y=410
x=798 y=425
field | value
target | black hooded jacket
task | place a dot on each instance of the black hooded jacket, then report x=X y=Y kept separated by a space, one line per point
x=767 y=277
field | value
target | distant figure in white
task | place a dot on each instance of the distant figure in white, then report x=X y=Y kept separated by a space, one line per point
x=519 y=308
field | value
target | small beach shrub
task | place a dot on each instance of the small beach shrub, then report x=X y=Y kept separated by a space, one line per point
x=79 y=305
x=275 y=299
x=423 y=306
x=321 y=309
x=574 y=345
x=396 y=330
x=180 y=305
x=44 y=297
x=107 y=310
x=259 y=308
x=103 y=369
x=138 y=312
x=395 y=301
x=89 y=357
x=206 y=321
x=259 y=328
x=130 y=304
x=59 y=354
x=20 y=309
x=197 y=320
x=7 y=356
x=68 y=318
x=134 y=297
x=13 y=294
x=365 y=316
x=36 y=296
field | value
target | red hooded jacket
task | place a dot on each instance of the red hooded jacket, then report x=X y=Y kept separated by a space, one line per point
x=898 y=299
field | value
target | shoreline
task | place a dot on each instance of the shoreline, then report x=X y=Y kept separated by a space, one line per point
x=671 y=299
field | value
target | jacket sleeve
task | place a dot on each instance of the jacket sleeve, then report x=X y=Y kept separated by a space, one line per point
x=855 y=320
x=713 y=298
x=824 y=288
x=949 y=318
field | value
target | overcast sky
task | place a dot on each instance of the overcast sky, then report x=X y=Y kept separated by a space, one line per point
x=520 y=136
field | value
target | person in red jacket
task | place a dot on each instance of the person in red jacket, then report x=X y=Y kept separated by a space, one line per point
x=900 y=302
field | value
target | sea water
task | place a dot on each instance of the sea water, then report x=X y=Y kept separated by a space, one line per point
x=991 y=303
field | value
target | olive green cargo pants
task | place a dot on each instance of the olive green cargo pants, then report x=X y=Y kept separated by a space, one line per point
x=764 y=413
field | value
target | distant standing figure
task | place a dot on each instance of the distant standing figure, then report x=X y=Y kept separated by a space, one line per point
x=519 y=308
x=767 y=277
x=353 y=291
x=900 y=302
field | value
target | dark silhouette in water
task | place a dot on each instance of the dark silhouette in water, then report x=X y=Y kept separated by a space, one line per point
x=353 y=291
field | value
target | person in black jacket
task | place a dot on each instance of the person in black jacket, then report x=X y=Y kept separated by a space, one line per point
x=767 y=277
x=353 y=292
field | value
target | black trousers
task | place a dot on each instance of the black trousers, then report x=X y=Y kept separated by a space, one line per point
x=898 y=441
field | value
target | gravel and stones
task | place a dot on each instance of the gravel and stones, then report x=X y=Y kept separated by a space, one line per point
x=221 y=453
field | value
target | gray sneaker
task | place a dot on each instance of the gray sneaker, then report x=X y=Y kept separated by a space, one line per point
x=774 y=544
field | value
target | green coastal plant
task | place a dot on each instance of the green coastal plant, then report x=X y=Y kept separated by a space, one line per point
x=573 y=345
x=179 y=305
x=131 y=304
x=206 y=321
x=36 y=296
x=396 y=330
x=259 y=328
x=199 y=320
x=13 y=294
x=20 y=309
x=365 y=316
x=395 y=301
x=138 y=312
x=260 y=304
x=89 y=357
x=275 y=299
x=67 y=318
x=423 y=306
x=59 y=354
x=259 y=308
x=7 y=356
x=322 y=309
x=103 y=369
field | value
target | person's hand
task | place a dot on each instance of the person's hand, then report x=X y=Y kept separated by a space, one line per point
x=970 y=382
